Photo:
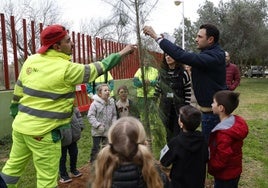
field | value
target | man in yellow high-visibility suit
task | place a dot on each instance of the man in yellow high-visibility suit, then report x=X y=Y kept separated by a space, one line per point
x=43 y=103
x=150 y=79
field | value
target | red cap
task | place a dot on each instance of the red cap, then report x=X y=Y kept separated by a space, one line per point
x=51 y=35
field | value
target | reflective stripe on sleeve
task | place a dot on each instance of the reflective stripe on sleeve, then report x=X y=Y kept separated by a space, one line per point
x=98 y=67
x=88 y=71
x=87 y=74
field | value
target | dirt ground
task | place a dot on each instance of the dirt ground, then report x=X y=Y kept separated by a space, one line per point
x=79 y=182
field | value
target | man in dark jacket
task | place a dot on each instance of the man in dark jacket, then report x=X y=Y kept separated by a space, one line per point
x=208 y=68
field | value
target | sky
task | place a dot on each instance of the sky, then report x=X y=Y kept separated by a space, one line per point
x=164 y=18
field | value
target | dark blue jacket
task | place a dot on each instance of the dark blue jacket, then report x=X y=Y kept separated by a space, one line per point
x=208 y=69
x=130 y=176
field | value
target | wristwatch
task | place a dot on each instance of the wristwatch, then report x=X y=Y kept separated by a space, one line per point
x=159 y=39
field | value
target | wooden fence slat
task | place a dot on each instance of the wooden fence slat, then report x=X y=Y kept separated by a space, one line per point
x=25 y=39
x=14 y=46
x=33 y=48
x=4 y=46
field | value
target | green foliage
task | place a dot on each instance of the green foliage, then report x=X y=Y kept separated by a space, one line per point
x=158 y=136
x=189 y=34
x=208 y=13
x=243 y=26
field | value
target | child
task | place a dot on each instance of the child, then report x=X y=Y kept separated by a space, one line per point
x=187 y=152
x=101 y=115
x=127 y=161
x=226 y=141
x=69 y=143
x=125 y=106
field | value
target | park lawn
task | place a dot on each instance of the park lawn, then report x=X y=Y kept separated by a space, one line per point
x=253 y=107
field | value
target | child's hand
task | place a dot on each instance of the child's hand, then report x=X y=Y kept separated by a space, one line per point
x=101 y=129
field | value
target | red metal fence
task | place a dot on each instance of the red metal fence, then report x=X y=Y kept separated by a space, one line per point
x=16 y=47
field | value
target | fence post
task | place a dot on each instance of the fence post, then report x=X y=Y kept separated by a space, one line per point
x=3 y=26
x=14 y=44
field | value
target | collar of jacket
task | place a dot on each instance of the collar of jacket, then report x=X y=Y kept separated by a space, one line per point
x=54 y=53
x=100 y=100
x=211 y=47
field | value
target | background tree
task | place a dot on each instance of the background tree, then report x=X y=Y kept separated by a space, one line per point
x=127 y=19
x=43 y=11
x=189 y=35
x=208 y=13
x=115 y=27
x=243 y=29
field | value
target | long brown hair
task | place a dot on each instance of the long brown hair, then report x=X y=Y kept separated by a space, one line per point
x=127 y=143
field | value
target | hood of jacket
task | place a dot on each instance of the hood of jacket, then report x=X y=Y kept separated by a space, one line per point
x=191 y=141
x=101 y=101
x=234 y=126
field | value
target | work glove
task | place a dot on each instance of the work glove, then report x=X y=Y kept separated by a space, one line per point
x=14 y=109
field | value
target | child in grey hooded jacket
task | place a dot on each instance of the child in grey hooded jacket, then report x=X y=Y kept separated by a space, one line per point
x=70 y=136
x=101 y=114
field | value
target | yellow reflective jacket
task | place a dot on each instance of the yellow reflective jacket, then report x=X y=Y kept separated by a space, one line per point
x=106 y=78
x=150 y=74
x=45 y=90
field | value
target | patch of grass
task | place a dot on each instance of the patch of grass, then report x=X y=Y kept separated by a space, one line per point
x=5 y=146
x=253 y=107
x=5 y=141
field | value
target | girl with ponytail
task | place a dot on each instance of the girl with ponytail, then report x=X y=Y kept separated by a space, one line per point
x=127 y=161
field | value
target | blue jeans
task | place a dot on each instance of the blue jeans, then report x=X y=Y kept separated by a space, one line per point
x=73 y=152
x=209 y=121
x=233 y=183
x=2 y=183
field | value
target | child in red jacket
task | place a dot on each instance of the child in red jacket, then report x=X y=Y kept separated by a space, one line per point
x=226 y=141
